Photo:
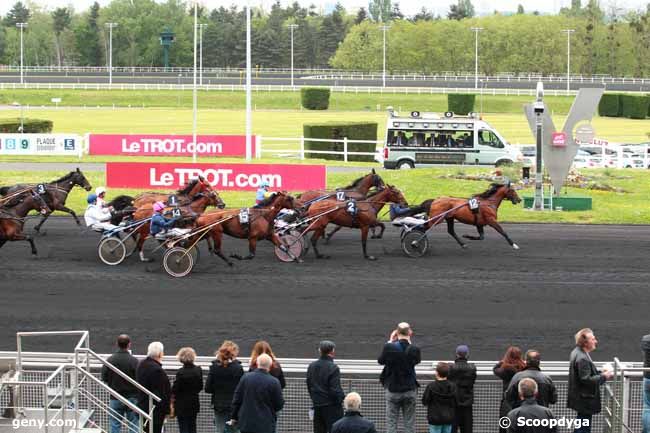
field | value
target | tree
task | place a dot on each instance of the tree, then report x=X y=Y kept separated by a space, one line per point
x=462 y=9
x=520 y=9
x=362 y=15
x=86 y=35
x=61 y=19
x=396 y=13
x=19 y=13
x=380 y=10
x=423 y=15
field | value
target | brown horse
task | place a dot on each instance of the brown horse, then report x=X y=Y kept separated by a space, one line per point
x=13 y=213
x=193 y=209
x=357 y=190
x=353 y=214
x=260 y=225
x=55 y=193
x=183 y=196
x=450 y=209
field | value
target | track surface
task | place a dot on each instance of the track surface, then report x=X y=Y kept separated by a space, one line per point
x=488 y=296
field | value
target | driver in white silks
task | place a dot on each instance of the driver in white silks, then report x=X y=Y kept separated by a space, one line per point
x=97 y=217
x=161 y=227
x=402 y=215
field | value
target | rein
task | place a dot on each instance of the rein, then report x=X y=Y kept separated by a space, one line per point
x=10 y=196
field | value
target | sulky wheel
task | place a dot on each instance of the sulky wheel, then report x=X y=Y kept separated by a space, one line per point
x=415 y=243
x=293 y=243
x=111 y=251
x=130 y=244
x=196 y=255
x=178 y=262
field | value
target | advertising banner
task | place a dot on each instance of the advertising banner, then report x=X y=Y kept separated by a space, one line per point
x=168 y=145
x=41 y=144
x=223 y=177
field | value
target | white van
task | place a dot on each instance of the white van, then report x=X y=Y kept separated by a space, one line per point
x=429 y=138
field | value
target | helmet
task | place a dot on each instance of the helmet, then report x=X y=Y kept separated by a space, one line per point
x=268 y=194
x=158 y=206
x=265 y=184
x=100 y=190
x=92 y=198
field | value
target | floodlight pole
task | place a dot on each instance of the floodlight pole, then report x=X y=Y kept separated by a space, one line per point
x=568 y=58
x=248 y=83
x=201 y=27
x=383 y=75
x=476 y=30
x=194 y=96
x=21 y=26
x=110 y=26
x=292 y=27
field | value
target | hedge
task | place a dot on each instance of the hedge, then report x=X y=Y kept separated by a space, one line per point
x=634 y=107
x=460 y=103
x=34 y=126
x=315 y=98
x=609 y=105
x=338 y=130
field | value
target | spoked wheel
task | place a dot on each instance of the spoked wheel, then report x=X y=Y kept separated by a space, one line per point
x=178 y=262
x=415 y=243
x=196 y=254
x=111 y=251
x=129 y=244
x=293 y=243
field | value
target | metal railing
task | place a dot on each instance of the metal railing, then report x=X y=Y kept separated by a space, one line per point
x=301 y=150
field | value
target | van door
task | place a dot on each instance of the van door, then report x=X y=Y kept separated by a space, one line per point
x=490 y=147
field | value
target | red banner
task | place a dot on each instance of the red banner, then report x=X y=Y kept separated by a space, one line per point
x=168 y=145
x=233 y=177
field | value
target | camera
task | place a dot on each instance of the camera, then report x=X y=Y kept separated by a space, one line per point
x=538 y=107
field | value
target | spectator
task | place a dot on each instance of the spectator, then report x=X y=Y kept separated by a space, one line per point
x=399 y=358
x=151 y=375
x=185 y=392
x=223 y=377
x=324 y=386
x=546 y=392
x=505 y=370
x=530 y=410
x=463 y=375
x=127 y=364
x=400 y=139
x=258 y=399
x=440 y=399
x=585 y=380
x=645 y=346
x=276 y=369
x=352 y=421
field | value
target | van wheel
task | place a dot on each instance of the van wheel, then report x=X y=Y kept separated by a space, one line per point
x=405 y=164
x=503 y=163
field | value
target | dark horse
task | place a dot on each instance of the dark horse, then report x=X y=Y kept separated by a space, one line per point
x=13 y=213
x=364 y=216
x=450 y=209
x=259 y=226
x=55 y=193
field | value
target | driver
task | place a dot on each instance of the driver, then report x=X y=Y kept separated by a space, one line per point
x=161 y=226
x=101 y=196
x=97 y=217
x=260 y=196
x=402 y=215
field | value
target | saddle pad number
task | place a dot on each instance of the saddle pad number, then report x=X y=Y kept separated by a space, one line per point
x=473 y=204
x=172 y=200
x=340 y=195
x=351 y=207
x=244 y=216
x=40 y=188
x=176 y=213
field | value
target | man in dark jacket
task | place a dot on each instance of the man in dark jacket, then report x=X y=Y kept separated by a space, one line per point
x=440 y=399
x=127 y=364
x=324 y=386
x=151 y=375
x=399 y=358
x=352 y=421
x=463 y=375
x=546 y=392
x=585 y=380
x=257 y=399
x=530 y=417
x=645 y=347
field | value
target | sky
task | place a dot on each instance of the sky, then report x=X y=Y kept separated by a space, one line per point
x=408 y=7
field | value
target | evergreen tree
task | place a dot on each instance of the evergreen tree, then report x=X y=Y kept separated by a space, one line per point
x=396 y=13
x=361 y=16
x=380 y=10
x=423 y=15
x=462 y=9
x=520 y=9
x=61 y=20
x=19 y=13
x=87 y=40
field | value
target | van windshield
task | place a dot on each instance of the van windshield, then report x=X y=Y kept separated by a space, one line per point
x=440 y=139
x=489 y=138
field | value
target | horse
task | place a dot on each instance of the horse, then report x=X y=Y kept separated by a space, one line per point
x=55 y=193
x=199 y=202
x=260 y=225
x=357 y=190
x=488 y=202
x=183 y=196
x=353 y=214
x=13 y=213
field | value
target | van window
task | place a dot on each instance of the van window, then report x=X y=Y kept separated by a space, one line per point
x=454 y=139
x=489 y=138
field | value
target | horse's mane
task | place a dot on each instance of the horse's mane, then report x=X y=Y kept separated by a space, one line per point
x=186 y=190
x=267 y=201
x=494 y=187
x=64 y=178
x=354 y=183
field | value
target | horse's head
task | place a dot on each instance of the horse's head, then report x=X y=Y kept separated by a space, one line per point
x=78 y=178
x=377 y=181
x=39 y=204
x=283 y=200
x=511 y=193
x=394 y=195
x=205 y=186
x=215 y=199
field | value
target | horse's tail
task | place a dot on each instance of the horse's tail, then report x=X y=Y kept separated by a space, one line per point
x=421 y=208
x=121 y=202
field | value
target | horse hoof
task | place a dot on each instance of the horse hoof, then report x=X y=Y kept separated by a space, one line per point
x=146 y=259
x=372 y=258
x=463 y=246
x=515 y=246
x=327 y=241
x=322 y=256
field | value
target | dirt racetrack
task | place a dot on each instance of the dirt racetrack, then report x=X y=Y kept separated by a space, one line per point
x=488 y=296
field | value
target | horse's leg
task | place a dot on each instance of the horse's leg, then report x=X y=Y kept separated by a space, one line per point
x=496 y=226
x=480 y=237
x=140 y=247
x=381 y=233
x=252 y=248
x=19 y=236
x=216 y=249
x=314 y=240
x=278 y=243
x=452 y=232
x=44 y=218
x=330 y=234
x=71 y=212
x=364 y=239
x=2 y=242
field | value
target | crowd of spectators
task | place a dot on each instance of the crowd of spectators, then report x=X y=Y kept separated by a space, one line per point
x=249 y=402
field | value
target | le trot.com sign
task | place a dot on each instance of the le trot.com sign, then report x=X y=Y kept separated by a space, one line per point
x=233 y=177
x=168 y=145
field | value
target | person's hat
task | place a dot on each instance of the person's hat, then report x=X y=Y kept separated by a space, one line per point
x=158 y=206
x=92 y=198
x=100 y=190
x=326 y=346
x=264 y=184
x=462 y=350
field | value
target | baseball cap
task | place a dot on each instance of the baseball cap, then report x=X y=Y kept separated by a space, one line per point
x=462 y=349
